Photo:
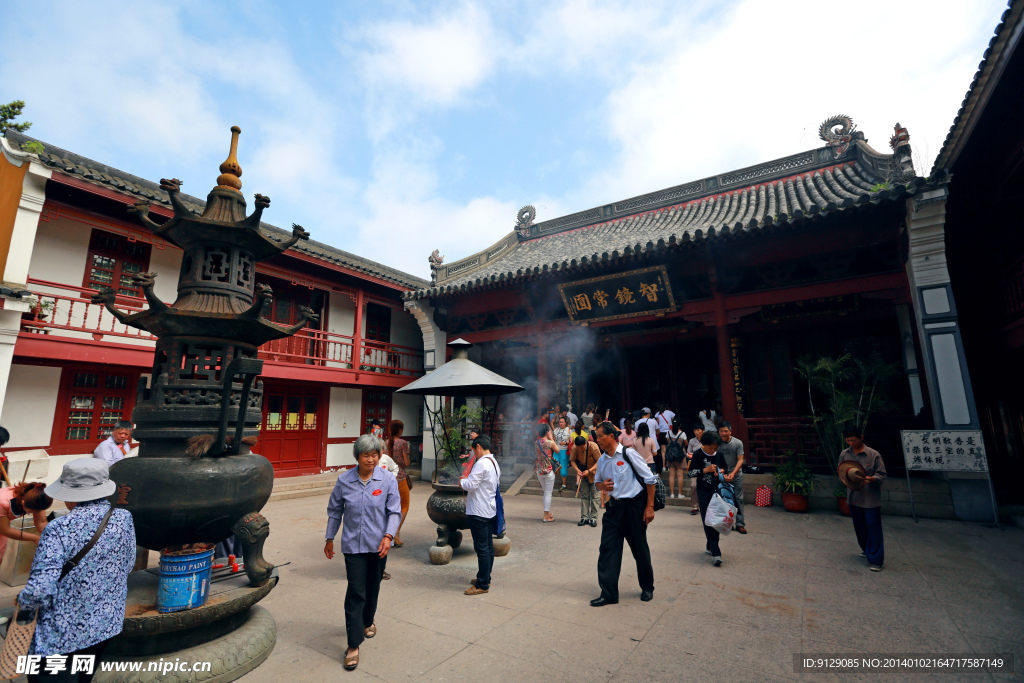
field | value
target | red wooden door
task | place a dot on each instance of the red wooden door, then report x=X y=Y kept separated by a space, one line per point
x=376 y=406
x=290 y=434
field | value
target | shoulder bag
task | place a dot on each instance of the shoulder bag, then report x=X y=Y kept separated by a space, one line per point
x=659 y=485
x=499 y=508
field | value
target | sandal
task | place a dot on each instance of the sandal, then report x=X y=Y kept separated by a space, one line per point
x=386 y=576
x=397 y=544
x=694 y=511
x=351 y=661
x=370 y=631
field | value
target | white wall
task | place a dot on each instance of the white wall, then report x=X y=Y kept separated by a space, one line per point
x=344 y=412
x=30 y=405
x=60 y=252
x=343 y=415
x=406 y=408
x=166 y=263
x=341 y=313
x=405 y=331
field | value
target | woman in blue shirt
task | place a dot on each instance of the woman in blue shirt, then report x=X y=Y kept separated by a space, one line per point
x=367 y=498
x=81 y=611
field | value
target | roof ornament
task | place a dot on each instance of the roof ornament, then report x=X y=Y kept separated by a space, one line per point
x=436 y=260
x=838 y=132
x=524 y=219
x=230 y=171
x=903 y=162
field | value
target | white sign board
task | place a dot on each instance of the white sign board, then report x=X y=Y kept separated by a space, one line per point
x=944 y=451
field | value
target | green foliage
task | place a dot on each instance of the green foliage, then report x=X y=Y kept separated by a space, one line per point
x=844 y=390
x=840 y=491
x=33 y=147
x=452 y=433
x=794 y=477
x=11 y=111
x=886 y=185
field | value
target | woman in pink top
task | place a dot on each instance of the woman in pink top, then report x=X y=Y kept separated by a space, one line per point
x=627 y=436
x=645 y=445
x=15 y=502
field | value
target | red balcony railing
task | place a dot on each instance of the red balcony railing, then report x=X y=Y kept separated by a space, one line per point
x=328 y=349
x=64 y=307
x=68 y=309
x=773 y=440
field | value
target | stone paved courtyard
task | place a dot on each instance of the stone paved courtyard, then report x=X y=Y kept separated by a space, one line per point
x=794 y=584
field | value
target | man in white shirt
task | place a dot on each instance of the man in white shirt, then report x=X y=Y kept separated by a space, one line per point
x=664 y=419
x=482 y=485
x=118 y=444
x=652 y=424
x=630 y=508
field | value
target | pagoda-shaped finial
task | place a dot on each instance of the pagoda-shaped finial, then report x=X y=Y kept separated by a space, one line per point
x=230 y=171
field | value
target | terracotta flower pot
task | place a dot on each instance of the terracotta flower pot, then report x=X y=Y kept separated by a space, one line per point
x=844 y=507
x=794 y=502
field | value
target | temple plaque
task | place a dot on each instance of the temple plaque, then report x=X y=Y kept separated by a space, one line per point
x=645 y=291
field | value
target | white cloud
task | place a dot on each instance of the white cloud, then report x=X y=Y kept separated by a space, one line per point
x=756 y=88
x=434 y=63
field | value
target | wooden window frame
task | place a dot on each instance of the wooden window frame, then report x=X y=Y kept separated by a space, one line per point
x=59 y=443
x=120 y=256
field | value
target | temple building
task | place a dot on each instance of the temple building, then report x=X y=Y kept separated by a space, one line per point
x=706 y=295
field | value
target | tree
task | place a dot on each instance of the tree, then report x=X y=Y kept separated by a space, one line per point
x=11 y=111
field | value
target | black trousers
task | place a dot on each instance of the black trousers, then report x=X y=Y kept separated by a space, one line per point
x=483 y=544
x=66 y=676
x=703 y=500
x=624 y=521
x=365 y=571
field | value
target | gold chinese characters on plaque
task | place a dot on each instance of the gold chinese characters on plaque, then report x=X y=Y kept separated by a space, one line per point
x=624 y=295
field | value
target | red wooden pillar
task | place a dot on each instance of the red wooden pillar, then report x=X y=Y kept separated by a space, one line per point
x=357 y=333
x=730 y=404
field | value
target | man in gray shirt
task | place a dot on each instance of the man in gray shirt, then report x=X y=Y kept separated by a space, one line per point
x=731 y=451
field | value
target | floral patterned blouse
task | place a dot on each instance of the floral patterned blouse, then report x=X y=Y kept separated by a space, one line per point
x=401 y=457
x=86 y=606
x=543 y=464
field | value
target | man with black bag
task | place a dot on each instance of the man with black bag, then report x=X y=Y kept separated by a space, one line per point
x=482 y=510
x=630 y=508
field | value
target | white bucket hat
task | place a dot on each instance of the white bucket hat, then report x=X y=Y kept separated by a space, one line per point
x=82 y=480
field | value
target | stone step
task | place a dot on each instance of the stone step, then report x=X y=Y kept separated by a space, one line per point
x=302 y=493
x=304 y=482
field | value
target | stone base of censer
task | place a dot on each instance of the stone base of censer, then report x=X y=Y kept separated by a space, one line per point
x=230 y=631
x=447 y=508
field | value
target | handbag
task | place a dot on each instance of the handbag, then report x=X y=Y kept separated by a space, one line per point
x=499 y=510
x=659 y=485
x=18 y=642
x=720 y=515
x=21 y=629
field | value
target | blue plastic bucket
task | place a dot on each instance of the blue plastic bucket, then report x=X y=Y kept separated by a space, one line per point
x=184 y=577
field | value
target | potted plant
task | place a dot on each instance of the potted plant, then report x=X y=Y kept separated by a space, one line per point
x=795 y=481
x=840 y=494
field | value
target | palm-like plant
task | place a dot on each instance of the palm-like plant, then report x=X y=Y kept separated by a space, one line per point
x=848 y=391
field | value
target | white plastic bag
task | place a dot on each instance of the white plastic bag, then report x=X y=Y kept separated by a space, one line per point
x=721 y=516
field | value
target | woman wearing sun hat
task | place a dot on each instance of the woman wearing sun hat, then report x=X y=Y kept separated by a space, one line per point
x=80 y=598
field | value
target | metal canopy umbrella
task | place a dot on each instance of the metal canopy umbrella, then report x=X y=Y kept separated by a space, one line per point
x=458 y=378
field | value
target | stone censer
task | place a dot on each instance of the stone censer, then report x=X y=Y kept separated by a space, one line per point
x=458 y=378
x=195 y=480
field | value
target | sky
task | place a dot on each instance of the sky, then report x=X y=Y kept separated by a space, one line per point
x=390 y=129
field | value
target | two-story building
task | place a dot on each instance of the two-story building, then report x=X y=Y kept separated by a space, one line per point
x=69 y=370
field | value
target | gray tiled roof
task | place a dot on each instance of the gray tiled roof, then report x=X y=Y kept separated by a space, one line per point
x=74 y=164
x=856 y=180
x=1006 y=38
